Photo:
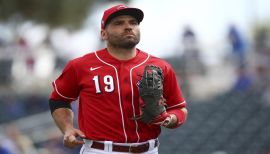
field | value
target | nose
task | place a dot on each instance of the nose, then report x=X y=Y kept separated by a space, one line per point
x=128 y=29
x=128 y=26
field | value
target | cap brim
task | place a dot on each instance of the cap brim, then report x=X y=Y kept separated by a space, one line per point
x=134 y=12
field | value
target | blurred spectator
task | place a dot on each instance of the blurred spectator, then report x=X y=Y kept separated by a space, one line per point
x=238 y=46
x=262 y=73
x=262 y=62
x=8 y=146
x=189 y=65
x=191 y=56
x=24 y=48
x=24 y=144
x=262 y=40
x=244 y=79
x=262 y=81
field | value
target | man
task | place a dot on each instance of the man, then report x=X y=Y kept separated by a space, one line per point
x=105 y=82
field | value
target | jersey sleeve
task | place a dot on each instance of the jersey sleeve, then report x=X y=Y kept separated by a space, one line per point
x=172 y=92
x=65 y=87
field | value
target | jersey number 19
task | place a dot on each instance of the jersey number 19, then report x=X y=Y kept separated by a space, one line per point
x=108 y=81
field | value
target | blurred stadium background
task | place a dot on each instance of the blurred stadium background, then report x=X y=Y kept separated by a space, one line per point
x=219 y=49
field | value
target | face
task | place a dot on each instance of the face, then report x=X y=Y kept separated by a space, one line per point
x=122 y=32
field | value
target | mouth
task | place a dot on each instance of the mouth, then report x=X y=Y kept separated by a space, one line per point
x=129 y=34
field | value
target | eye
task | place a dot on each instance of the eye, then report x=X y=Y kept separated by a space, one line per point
x=134 y=22
x=117 y=22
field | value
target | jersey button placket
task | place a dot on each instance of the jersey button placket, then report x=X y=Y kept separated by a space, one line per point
x=121 y=72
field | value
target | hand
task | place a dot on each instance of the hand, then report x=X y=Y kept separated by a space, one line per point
x=71 y=138
x=170 y=121
x=164 y=119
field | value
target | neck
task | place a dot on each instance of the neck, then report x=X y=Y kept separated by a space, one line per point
x=121 y=53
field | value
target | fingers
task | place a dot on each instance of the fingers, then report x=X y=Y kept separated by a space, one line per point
x=70 y=138
x=72 y=141
x=167 y=121
x=163 y=121
x=170 y=121
x=80 y=133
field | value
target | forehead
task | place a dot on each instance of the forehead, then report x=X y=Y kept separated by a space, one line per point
x=123 y=17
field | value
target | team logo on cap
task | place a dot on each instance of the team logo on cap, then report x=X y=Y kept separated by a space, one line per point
x=121 y=6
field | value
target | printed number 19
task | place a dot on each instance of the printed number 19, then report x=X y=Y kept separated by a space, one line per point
x=108 y=81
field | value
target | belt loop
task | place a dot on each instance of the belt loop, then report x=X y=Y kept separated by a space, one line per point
x=88 y=142
x=129 y=149
x=151 y=144
x=158 y=143
x=108 y=146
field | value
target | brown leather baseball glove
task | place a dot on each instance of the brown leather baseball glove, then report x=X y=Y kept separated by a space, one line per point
x=153 y=110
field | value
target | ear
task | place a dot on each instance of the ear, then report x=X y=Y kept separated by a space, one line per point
x=103 y=34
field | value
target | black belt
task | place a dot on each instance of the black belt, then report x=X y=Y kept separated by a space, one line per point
x=125 y=148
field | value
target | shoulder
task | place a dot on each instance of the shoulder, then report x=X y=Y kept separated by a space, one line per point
x=162 y=63
x=152 y=58
x=157 y=61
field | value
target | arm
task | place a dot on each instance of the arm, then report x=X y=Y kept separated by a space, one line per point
x=63 y=117
x=176 y=104
x=66 y=90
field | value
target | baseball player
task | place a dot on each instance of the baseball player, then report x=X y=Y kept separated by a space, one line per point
x=125 y=94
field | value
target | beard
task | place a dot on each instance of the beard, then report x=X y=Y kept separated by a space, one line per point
x=123 y=41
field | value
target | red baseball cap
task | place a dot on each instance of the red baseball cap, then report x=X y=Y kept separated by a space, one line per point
x=118 y=10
